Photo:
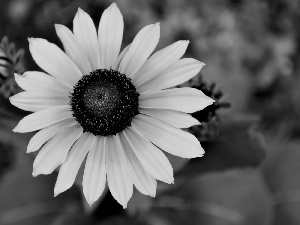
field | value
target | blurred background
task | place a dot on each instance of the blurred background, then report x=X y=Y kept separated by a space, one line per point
x=250 y=174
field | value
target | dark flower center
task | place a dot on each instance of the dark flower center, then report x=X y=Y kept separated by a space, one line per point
x=104 y=102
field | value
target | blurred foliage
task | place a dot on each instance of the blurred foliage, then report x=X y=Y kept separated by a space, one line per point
x=238 y=145
x=6 y=159
x=11 y=61
x=250 y=173
x=233 y=197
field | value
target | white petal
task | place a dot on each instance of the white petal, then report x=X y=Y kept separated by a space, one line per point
x=69 y=169
x=152 y=159
x=116 y=65
x=159 y=61
x=110 y=35
x=142 y=46
x=168 y=138
x=73 y=48
x=187 y=100
x=175 y=118
x=143 y=181
x=55 y=151
x=118 y=177
x=94 y=177
x=34 y=81
x=86 y=34
x=177 y=73
x=47 y=133
x=43 y=118
x=54 y=61
x=38 y=100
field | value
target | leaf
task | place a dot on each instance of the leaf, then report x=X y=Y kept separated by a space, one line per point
x=282 y=171
x=24 y=199
x=77 y=218
x=7 y=157
x=237 y=146
x=236 y=197
x=87 y=219
x=28 y=200
x=8 y=111
x=10 y=142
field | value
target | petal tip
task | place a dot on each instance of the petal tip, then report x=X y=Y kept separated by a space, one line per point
x=16 y=129
x=57 y=190
x=113 y=5
x=196 y=122
x=183 y=41
x=201 y=64
x=35 y=173
x=30 y=147
x=30 y=40
x=156 y=25
x=89 y=201
x=212 y=101
x=115 y=8
x=33 y=39
x=57 y=26
x=79 y=10
x=170 y=180
x=79 y=13
x=200 y=153
x=195 y=155
x=17 y=75
x=11 y=98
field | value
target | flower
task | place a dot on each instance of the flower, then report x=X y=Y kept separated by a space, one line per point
x=119 y=110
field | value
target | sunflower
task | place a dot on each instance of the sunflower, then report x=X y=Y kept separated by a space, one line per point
x=117 y=110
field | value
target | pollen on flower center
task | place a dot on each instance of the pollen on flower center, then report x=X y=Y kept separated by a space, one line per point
x=104 y=102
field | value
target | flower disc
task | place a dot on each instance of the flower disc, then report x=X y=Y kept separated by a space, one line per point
x=104 y=102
